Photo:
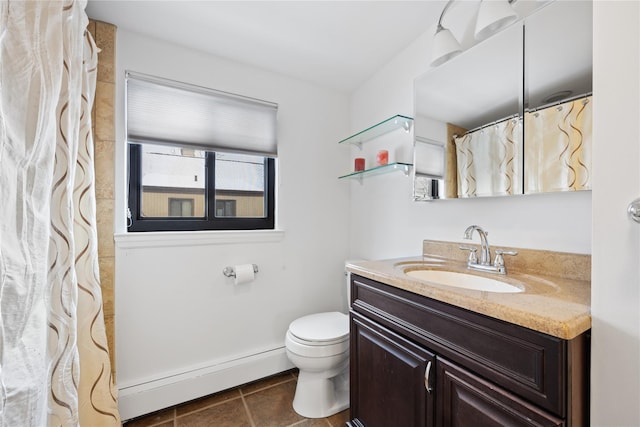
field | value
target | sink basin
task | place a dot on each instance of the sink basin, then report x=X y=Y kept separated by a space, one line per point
x=463 y=280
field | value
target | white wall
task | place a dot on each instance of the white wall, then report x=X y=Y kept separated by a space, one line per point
x=386 y=223
x=615 y=286
x=175 y=311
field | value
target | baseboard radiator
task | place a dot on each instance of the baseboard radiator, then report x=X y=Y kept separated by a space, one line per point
x=140 y=399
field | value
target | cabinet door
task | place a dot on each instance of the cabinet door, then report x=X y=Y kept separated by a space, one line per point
x=389 y=378
x=465 y=399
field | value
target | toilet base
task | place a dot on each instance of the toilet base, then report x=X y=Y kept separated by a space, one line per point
x=319 y=397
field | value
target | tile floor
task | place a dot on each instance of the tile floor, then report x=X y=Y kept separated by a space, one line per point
x=264 y=403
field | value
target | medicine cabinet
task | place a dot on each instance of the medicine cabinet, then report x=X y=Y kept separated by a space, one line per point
x=512 y=114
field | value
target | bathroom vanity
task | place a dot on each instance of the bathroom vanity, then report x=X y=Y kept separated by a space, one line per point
x=426 y=354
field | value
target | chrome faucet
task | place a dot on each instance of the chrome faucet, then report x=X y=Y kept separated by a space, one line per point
x=484 y=264
x=485 y=254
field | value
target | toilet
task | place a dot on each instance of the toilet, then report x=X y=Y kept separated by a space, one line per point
x=318 y=345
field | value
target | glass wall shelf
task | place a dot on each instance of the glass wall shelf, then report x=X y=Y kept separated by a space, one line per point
x=379 y=170
x=386 y=126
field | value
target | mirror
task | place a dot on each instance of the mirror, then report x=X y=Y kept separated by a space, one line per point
x=483 y=85
x=558 y=75
x=480 y=118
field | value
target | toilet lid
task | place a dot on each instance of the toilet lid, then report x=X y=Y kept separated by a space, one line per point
x=321 y=327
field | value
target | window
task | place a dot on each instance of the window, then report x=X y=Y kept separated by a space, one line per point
x=198 y=159
x=225 y=208
x=180 y=207
x=173 y=189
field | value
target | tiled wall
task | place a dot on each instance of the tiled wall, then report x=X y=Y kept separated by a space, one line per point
x=104 y=140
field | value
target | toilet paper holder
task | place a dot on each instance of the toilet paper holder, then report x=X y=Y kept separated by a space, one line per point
x=231 y=272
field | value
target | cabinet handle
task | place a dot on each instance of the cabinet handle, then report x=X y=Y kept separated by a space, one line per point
x=427 y=375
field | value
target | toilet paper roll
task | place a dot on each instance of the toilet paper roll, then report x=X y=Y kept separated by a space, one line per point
x=244 y=274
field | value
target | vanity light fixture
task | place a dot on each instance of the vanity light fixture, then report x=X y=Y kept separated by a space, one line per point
x=493 y=15
x=445 y=46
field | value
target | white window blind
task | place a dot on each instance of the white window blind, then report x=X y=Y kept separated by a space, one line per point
x=163 y=111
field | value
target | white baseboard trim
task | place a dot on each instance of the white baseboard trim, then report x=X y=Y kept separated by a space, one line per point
x=152 y=396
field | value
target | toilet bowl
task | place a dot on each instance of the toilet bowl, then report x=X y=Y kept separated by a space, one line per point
x=318 y=345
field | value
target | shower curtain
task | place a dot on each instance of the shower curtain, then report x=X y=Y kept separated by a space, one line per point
x=54 y=361
x=489 y=160
x=558 y=147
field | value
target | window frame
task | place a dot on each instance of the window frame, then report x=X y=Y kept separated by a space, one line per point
x=210 y=221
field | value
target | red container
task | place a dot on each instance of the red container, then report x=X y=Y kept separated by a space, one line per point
x=358 y=164
x=382 y=158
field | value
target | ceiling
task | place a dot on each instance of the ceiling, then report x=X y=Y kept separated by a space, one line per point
x=334 y=44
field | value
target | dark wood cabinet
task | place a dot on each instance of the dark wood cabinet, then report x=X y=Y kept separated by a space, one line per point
x=420 y=362
x=464 y=399
x=395 y=374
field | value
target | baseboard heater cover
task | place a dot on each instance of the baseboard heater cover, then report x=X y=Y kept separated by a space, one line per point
x=152 y=396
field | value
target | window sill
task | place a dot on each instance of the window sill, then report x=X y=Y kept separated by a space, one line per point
x=152 y=239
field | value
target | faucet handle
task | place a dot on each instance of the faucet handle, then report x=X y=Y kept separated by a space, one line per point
x=499 y=260
x=473 y=257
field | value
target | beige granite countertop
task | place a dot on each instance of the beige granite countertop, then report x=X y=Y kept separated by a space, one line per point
x=554 y=304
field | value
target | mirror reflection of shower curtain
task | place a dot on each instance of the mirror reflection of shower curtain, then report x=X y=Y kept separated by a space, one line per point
x=489 y=160
x=558 y=147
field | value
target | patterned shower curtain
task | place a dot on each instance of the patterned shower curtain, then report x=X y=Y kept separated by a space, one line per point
x=489 y=160
x=54 y=361
x=558 y=147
